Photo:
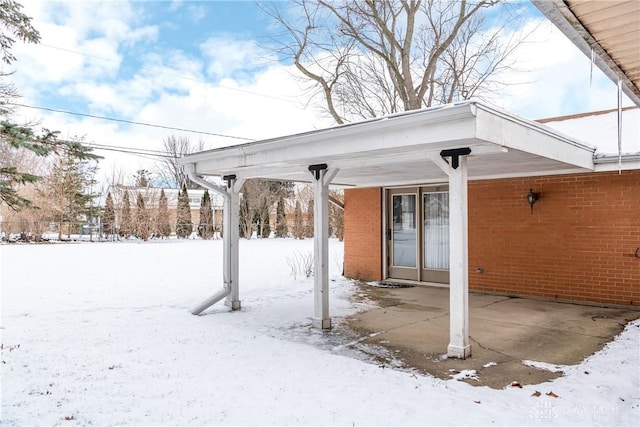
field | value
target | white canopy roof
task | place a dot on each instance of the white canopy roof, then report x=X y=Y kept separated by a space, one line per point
x=399 y=149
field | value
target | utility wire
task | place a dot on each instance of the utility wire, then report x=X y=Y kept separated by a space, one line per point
x=55 y=110
x=139 y=151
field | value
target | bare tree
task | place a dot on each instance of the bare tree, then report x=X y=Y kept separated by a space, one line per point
x=259 y=197
x=170 y=173
x=368 y=58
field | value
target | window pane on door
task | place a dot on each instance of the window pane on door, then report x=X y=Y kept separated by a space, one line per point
x=436 y=231
x=404 y=230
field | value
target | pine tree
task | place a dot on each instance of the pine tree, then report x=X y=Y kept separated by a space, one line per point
x=15 y=138
x=163 y=228
x=142 y=226
x=309 y=223
x=126 y=224
x=109 y=216
x=184 y=227
x=281 y=219
x=205 y=229
x=298 y=223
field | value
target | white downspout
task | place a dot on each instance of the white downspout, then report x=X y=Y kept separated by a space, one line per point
x=190 y=170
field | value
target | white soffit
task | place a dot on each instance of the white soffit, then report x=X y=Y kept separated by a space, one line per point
x=400 y=149
x=611 y=28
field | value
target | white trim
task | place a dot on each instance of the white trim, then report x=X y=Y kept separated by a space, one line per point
x=385 y=242
x=387 y=151
x=609 y=162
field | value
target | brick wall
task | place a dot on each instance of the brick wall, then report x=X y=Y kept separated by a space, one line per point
x=362 y=238
x=577 y=244
x=572 y=247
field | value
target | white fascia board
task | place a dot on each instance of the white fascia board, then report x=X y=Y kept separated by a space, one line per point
x=427 y=116
x=509 y=131
x=612 y=162
x=384 y=136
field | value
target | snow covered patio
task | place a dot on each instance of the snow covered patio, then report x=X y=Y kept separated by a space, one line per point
x=449 y=144
x=412 y=324
x=101 y=334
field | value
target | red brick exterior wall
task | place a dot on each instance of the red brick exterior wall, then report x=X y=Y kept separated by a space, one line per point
x=577 y=244
x=572 y=247
x=363 y=238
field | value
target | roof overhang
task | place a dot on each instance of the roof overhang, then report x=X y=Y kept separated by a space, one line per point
x=401 y=149
x=610 y=28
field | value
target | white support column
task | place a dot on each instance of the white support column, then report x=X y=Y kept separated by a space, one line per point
x=459 y=263
x=323 y=178
x=231 y=241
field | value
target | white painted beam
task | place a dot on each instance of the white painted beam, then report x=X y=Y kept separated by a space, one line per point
x=231 y=242
x=321 y=317
x=459 y=346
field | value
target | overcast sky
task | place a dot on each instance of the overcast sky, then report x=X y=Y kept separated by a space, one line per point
x=205 y=66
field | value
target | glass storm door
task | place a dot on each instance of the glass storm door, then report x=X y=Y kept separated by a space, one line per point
x=435 y=237
x=418 y=234
x=403 y=234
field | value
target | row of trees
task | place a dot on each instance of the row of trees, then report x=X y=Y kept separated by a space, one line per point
x=155 y=222
x=255 y=215
x=258 y=198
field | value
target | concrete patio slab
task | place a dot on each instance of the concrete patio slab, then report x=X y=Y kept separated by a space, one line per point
x=413 y=323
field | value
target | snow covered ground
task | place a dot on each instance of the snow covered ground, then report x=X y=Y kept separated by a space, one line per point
x=101 y=334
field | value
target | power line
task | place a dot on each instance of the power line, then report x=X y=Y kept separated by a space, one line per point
x=55 y=110
x=139 y=151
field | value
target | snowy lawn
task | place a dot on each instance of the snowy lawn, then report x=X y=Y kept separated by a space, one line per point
x=101 y=334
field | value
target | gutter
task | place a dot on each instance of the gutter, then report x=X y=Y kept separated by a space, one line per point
x=190 y=170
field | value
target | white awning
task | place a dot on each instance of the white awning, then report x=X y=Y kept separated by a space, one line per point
x=400 y=149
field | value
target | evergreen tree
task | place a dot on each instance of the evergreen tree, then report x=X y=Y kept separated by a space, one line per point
x=109 y=216
x=298 y=223
x=142 y=178
x=65 y=190
x=246 y=229
x=142 y=227
x=281 y=219
x=163 y=228
x=15 y=138
x=309 y=223
x=126 y=223
x=205 y=229
x=184 y=227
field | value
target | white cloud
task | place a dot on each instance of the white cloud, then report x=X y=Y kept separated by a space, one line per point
x=234 y=88
x=228 y=57
x=556 y=78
